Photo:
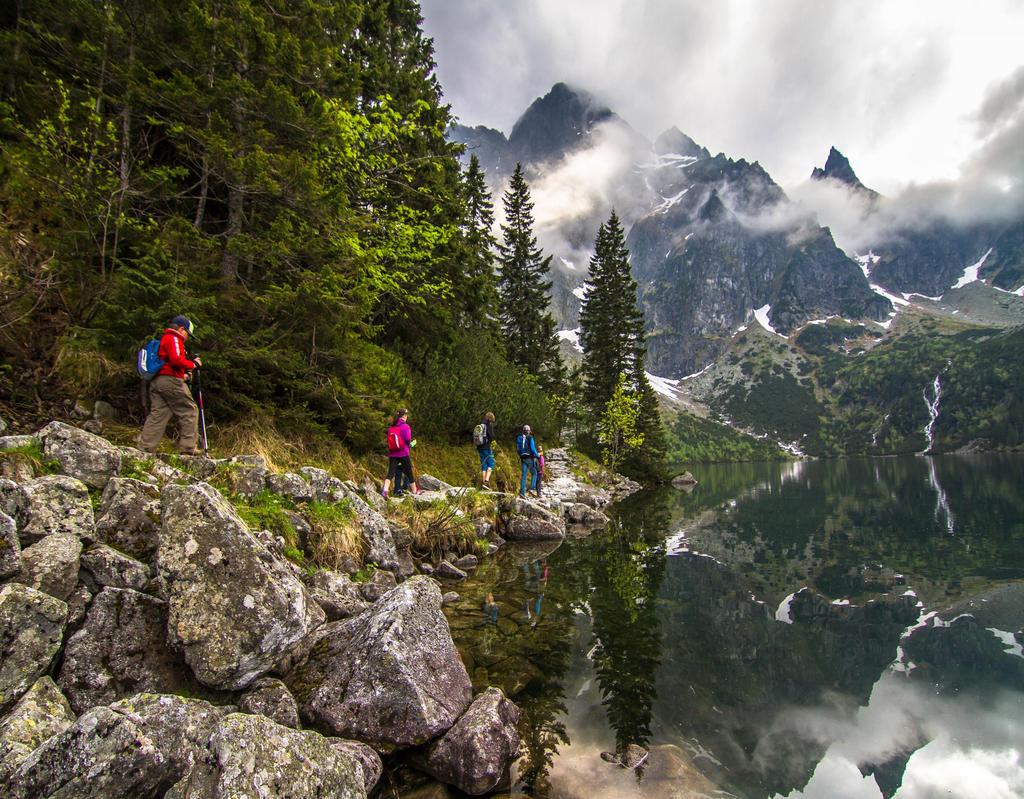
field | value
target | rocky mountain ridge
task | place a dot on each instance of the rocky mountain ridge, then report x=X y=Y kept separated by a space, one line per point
x=714 y=240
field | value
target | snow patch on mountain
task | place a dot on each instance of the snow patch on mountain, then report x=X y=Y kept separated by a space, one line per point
x=868 y=261
x=668 y=203
x=670 y=159
x=664 y=385
x=763 y=317
x=970 y=274
x=697 y=374
x=572 y=336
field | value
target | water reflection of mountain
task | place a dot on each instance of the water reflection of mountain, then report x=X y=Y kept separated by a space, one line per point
x=690 y=654
x=735 y=670
x=847 y=527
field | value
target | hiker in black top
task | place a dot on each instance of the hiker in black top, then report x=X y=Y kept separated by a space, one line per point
x=483 y=437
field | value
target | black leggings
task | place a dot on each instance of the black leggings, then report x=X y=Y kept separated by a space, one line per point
x=404 y=464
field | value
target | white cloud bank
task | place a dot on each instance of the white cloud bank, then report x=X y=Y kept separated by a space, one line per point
x=892 y=85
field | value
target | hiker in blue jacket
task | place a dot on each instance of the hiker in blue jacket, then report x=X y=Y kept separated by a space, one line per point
x=526 y=446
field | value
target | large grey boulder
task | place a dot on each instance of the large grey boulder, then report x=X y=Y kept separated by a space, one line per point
x=523 y=528
x=234 y=607
x=121 y=650
x=581 y=513
x=13 y=500
x=428 y=482
x=391 y=676
x=51 y=565
x=91 y=459
x=510 y=505
x=246 y=475
x=380 y=583
x=447 y=571
x=134 y=749
x=337 y=594
x=325 y=486
x=113 y=569
x=40 y=713
x=129 y=518
x=475 y=754
x=271 y=698
x=252 y=756
x=31 y=629
x=10 y=547
x=378 y=543
x=56 y=504
x=290 y=486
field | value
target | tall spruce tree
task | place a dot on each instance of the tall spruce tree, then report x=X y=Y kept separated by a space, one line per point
x=527 y=325
x=613 y=341
x=479 y=287
x=611 y=325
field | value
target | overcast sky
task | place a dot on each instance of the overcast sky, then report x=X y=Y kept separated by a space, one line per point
x=911 y=91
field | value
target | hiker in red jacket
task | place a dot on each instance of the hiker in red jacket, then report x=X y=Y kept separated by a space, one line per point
x=169 y=396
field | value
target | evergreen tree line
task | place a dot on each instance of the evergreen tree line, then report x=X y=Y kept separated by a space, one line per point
x=280 y=173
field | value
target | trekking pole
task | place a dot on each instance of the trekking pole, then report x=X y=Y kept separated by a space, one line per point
x=199 y=401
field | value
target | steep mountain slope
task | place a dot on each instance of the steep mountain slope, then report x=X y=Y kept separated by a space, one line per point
x=927 y=254
x=710 y=255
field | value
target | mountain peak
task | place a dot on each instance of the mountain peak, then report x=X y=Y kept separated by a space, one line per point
x=674 y=140
x=556 y=123
x=837 y=167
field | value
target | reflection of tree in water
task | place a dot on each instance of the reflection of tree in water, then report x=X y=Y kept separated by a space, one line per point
x=526 y=648
x=627 y=566
x=540 y=729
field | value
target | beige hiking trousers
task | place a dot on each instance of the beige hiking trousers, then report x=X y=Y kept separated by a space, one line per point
x=169 y=396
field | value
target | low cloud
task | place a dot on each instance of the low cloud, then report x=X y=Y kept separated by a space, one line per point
x=965 y=750
x=989 y=187
x=575 y=195
x=890 y=84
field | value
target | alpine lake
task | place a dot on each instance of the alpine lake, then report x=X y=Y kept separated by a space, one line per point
x=833 y=628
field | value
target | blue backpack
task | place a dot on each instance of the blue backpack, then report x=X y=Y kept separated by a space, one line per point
x=149 y=361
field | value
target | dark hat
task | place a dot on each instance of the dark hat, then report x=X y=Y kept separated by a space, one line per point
x=182 y=321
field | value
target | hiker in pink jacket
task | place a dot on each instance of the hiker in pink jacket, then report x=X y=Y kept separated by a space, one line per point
x=400 y=442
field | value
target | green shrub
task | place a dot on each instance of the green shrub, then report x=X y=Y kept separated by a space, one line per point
x=455 y=386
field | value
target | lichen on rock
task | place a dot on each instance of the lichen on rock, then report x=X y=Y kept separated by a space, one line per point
x=254 y=756
x=234 y=607
x=391 y=676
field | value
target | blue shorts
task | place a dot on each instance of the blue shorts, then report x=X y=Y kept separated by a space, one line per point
x=486 y=458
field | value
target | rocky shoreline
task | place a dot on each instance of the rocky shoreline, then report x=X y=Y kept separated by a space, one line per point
x=154 y=645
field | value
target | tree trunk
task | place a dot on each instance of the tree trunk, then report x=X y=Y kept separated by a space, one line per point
x=12 y=84
x=229 y=260
x=204 y=179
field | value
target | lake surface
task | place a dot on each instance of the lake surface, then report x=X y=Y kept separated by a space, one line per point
x=823 y=629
